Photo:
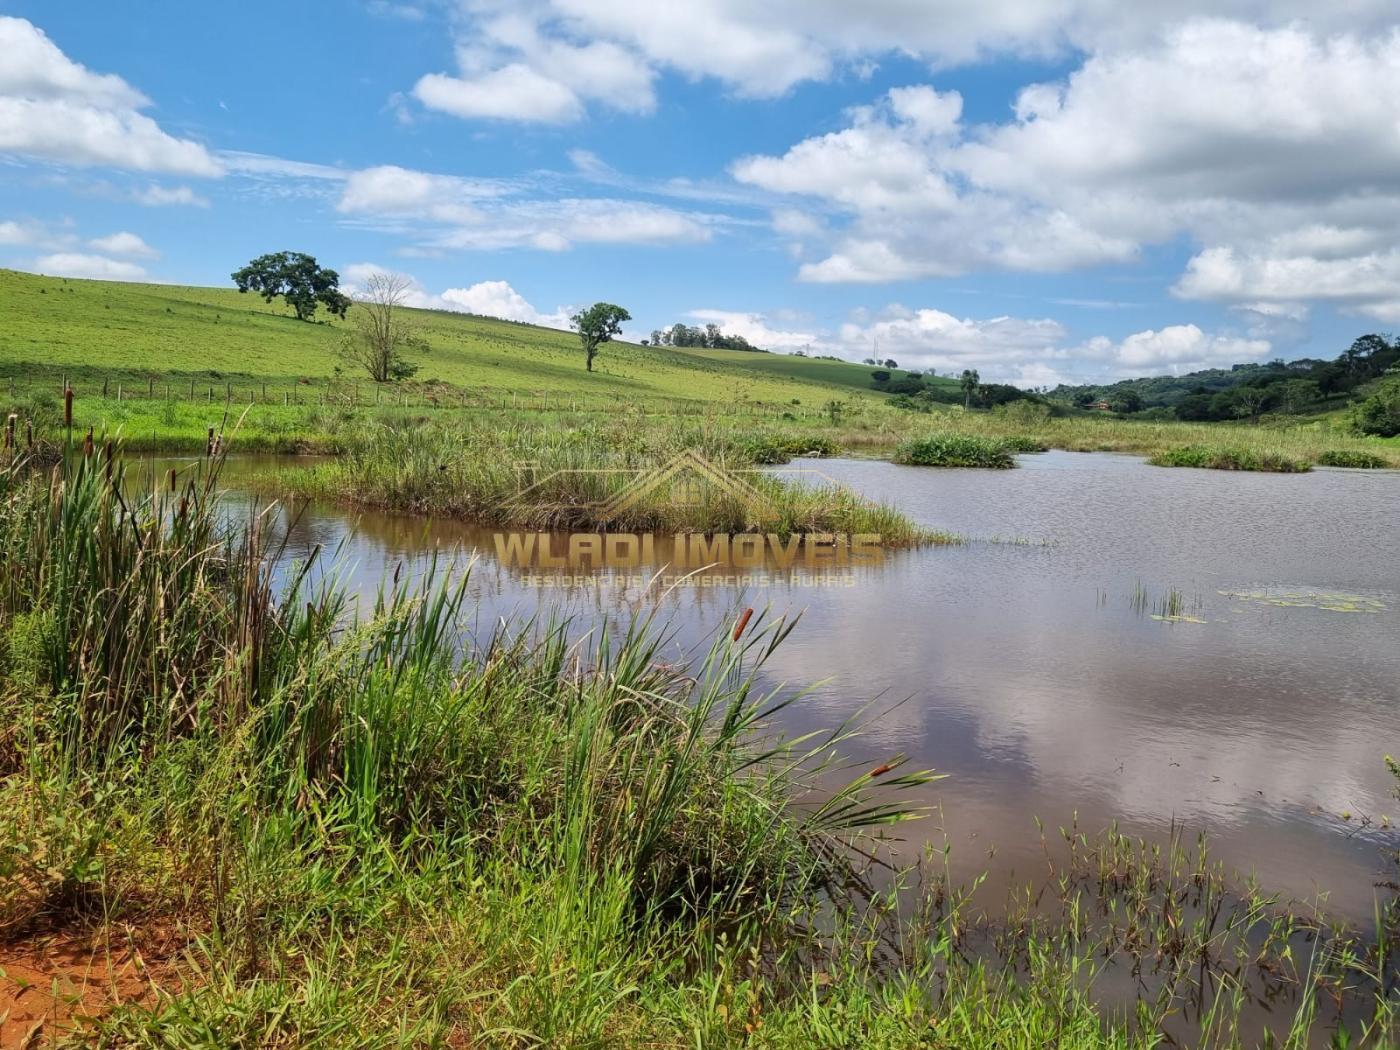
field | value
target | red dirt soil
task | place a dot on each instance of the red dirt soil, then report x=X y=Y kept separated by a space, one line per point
x=50 y=985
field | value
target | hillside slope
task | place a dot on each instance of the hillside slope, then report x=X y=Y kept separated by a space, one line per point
x=815 y=369
x=97 y=332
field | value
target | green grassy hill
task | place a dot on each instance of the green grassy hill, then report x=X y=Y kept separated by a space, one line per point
x=102 y=332
x=814 y=369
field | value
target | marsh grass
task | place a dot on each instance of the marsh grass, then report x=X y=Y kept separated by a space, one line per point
x=1024 y=444
x=1355 y=459
x=571 y=479
x=1218 y=458
x=954 y=450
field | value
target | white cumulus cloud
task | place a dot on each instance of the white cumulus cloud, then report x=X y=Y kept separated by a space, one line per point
x=511 y=67
x=79 y=264
x=485 y=298
x=15 y=233
x=513 y=92
x=1025 y=351
x=1272 y=147
x=763 y=50
x=124 y=243
x=55 y=109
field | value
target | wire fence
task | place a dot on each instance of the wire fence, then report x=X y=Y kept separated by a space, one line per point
x=334 y=393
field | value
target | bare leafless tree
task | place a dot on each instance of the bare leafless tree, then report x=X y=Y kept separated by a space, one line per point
x=383 y=332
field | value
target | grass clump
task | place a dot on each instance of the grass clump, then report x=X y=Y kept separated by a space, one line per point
x=771 y=449
x=954 y=450
x=1024 y=444
x=1353 y=458
x=1217 y=458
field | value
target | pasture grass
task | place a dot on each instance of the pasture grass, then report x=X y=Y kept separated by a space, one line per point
x=154 y=338
x=838 y=373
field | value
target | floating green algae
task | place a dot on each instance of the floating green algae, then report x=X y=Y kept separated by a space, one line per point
x=1328 y=601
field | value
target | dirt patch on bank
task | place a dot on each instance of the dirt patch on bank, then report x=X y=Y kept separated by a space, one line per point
x=52 y=985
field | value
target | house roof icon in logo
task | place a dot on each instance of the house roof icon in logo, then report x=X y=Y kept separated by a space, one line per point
x=691 y=470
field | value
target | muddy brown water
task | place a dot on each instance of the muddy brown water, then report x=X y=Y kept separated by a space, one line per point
x=1164 y=648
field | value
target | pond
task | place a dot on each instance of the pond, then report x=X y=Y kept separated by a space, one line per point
x=1170 y=649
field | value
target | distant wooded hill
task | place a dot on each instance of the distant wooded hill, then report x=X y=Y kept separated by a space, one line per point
x=1370 y=367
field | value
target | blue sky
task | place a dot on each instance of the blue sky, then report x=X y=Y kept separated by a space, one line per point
x=1041 y=189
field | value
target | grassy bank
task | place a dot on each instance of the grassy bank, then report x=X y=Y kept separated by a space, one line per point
x=322 y=827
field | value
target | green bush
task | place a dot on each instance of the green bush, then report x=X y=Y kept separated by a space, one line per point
x=1354 y=458
x=768 y=449
x=1212 y=458
x=909 y=404
x=1379 y=414
x=954 y=450
x=1024 y=443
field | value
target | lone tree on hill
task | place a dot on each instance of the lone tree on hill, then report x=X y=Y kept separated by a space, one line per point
x=598 y=325
x=969 y=382
x=382 y=331
x=298 y=279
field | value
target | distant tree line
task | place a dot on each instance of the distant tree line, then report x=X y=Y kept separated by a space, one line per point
x=1247 y=391
x=708 y=337
x=915 y=391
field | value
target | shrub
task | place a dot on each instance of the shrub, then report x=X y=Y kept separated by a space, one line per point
x=1353 y=458
x=1024 y=443
x=768 y=449
x=1025 y=412
x=1379 y=414
x=909 y=404
x=954 y=450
